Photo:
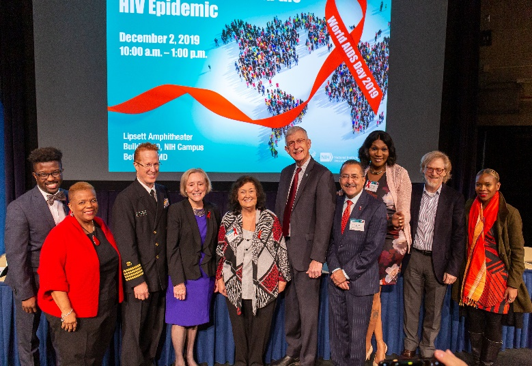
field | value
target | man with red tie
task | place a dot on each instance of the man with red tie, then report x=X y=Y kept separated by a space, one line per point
x=305 y=206
x=358 y=235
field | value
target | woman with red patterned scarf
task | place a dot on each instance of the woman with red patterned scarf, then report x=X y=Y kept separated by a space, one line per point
x=252 y=268
x=493 y=277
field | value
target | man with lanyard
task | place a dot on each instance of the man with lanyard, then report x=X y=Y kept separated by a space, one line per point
x=29 y=219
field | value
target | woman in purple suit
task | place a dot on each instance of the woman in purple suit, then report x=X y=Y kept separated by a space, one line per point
x=191 y=250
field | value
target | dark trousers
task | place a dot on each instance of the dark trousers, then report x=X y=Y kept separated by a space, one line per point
x=302 y=303
x=27 y=340
x=348 y=323
x=419 y=280
x=481 y=321
x=142 y=326
x=88 y=344
x=251 y=333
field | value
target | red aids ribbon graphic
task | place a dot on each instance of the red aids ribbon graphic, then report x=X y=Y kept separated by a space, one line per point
x=346 y=51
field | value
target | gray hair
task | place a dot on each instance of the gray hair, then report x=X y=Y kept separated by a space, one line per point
x=294 y=129
x=430 y=156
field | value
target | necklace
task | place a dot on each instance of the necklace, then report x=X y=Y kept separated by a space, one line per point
x=91 y=235
x=376 y=172
x=200 y=212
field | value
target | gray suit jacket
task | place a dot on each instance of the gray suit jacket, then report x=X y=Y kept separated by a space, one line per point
x=312 y=214
x=357 y=252
x=28 y=222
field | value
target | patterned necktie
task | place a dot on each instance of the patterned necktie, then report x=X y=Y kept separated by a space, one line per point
x=59 y=195
x=152 y=194
x=290 y=203
x=346 y=214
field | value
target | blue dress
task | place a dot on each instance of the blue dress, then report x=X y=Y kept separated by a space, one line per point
x=195 y=309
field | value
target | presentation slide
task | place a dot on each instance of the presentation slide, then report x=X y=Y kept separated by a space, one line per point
x=216 y=84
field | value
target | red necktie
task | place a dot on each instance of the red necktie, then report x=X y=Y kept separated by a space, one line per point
x=346 y=214
x=290 y=203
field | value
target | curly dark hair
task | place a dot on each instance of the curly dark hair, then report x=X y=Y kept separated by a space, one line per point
x=44 y=155
x=363 y=152
x=233 y=194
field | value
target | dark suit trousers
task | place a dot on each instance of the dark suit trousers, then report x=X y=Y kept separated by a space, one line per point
x=28 y=342
x=419 y=279
x=251 y=333
x=88 y=344
x=348 y=323
x=302 y=304
x=142 y=326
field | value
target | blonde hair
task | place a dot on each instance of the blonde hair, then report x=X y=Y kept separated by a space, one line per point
x=186 y=175
x=79 y=186
x=489 y=171
x=431 y=156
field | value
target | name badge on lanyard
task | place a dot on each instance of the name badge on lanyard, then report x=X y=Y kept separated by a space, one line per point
x=372 y=186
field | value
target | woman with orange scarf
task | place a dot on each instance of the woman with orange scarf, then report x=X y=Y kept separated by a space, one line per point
x=493 y=277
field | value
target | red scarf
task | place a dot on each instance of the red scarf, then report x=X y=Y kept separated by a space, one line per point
x=481 y=221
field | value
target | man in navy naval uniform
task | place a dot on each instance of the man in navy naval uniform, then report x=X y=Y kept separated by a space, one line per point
x=139 y=227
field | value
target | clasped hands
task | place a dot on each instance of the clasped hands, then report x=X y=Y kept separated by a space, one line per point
x=340 y=280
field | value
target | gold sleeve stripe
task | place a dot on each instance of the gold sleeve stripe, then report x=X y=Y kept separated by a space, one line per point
x=133 y=272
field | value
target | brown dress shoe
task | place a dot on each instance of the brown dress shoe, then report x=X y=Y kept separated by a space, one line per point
x=406 y=354
x=286 y=361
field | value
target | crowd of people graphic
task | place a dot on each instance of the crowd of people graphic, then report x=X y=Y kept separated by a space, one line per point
x=265 y=51
x=341 y=86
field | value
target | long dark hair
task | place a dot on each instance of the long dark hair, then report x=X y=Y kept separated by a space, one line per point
x=363 y=152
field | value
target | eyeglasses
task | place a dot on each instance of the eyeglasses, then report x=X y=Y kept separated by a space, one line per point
x=54 y=174
x=298 y=141
x=150 y=165
x=434 y=170
x=352 y=176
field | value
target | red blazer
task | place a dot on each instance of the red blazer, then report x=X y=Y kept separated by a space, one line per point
x=69 y=263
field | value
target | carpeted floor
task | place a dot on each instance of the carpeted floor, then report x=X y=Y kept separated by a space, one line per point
x=509 y=357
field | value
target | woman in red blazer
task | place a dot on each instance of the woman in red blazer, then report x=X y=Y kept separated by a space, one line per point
x=80 y=281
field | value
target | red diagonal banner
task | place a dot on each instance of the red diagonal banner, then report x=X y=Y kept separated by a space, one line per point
x=346 y=51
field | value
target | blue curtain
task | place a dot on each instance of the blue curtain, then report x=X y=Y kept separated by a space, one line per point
x=2 y=181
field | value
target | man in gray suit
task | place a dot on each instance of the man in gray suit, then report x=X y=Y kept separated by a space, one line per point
x=29 y=219
x=305 y=205
x=358 y=235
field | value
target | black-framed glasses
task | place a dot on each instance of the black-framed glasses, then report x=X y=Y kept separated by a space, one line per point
x=54 y=174
x=149 y=165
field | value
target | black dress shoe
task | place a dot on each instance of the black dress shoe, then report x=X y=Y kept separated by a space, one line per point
x=286 y=361
x=406 y=354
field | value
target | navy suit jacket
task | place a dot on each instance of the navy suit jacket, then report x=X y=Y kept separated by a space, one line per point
x=139 y=228
x=28 y=222
x=449 y=229
x=357 y=252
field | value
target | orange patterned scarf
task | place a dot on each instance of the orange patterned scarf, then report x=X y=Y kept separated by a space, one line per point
x=480 y=223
